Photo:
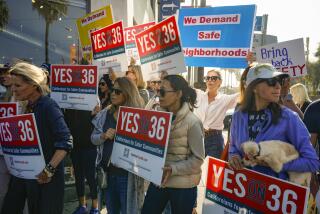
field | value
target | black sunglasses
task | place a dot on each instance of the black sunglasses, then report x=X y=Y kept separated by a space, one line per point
x=212 y=78
x=163 y=92
x=102 y=83
x=272 y=82
x=116 y=91
x=156 y=82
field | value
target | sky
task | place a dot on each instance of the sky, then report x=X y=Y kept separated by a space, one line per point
x=287 y=19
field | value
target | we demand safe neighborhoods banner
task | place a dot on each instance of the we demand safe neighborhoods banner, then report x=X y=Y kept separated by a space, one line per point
x=217 y=36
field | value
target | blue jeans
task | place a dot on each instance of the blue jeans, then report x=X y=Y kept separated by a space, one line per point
x=181 y=200
x=214 y=145
x=116 y=194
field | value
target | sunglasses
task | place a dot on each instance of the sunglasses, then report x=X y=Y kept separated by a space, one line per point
x=212 y=78
x=163 y=92
x=102 y=83
x=116 y=91
x=272 y=82
x=156 y=82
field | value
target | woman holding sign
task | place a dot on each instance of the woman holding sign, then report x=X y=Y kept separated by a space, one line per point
x=261 y=118
x=185 y=153
x=44 y=195
x=124 y=190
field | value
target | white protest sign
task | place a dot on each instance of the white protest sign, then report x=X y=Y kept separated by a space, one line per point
x=21 y=146
x=160 y=50
x=108 y=49
x=247 y=191
x=7 y=109
x=288 y=57
x=141 y=142
x=74 y=86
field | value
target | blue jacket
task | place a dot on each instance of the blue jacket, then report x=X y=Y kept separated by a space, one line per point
x=289 y=129
x=53 y=131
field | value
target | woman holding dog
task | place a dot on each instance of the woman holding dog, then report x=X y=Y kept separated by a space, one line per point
x=261 y=118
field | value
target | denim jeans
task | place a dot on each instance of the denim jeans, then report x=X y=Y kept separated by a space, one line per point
x=116 y=194
x=181 y=200
x=214 y=145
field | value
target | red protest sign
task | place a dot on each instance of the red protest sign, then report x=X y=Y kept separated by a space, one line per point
x=161 y=36
x=18 y=131
x=74 y=76
x=8 y=109
x=148 y=126
x=130 y=32
x=246 y=189
x=108 y=41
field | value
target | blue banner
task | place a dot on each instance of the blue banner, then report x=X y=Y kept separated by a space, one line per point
x=217 y=36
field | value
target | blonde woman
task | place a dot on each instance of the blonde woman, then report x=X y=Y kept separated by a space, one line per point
x=134 y=73
x=124 y=192
x=300 y=96
x=44 y=195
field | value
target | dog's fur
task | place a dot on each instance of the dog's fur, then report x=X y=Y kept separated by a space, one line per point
x=274 y=153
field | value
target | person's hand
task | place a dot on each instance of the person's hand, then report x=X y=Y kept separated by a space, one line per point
x=109 y=134
x=250 y=57
x=167 y=171
x=43 y=178
x=235 y=162
x=96 y=110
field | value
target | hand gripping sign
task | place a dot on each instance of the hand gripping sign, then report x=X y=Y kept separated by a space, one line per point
x=21 y=146
x=74 y=86
x=160 y=49
x=108 y=48
x=6 y=110
x=129 y=35
x=141 y=141
x=247 y=191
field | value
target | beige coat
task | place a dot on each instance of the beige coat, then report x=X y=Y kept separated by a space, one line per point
x=185 y=150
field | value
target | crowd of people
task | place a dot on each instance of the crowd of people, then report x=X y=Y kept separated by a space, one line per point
x=265 y=110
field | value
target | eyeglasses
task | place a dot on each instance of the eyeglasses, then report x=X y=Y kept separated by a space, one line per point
x=116 y=91
x=272 y=82
x=212 y=78
x=102 y=83
x=156 y=82
x=163 y=92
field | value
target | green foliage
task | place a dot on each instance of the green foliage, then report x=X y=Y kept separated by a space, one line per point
x=4 y=14
x=312 y=80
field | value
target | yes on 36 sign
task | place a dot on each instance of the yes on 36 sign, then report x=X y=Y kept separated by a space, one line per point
x=247 y=191
x=74 y=86
x=159 y=49
x=6 y=110
x=21 y=146
x=108 y=48
x=141 y=142
x=129 y=35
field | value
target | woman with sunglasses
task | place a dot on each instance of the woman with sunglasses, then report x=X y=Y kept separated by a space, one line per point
x=261 y=118
x=185 y=153
x=135 y=74
x=124 y=191
x=212 y=108
x=104 y=93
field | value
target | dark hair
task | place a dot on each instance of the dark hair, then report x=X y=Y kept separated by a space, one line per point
x=248 y=102
x=107 y=80
x=178 y=83
x=243 y=79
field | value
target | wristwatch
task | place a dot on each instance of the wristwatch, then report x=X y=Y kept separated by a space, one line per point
x=49 y=170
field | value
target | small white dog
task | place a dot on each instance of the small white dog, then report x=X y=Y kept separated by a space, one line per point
x=274 y=153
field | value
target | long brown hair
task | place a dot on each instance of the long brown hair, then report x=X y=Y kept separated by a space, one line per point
x=248 y=102
x=130 y=92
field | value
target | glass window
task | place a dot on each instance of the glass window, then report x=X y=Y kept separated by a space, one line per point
x=42 y=31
